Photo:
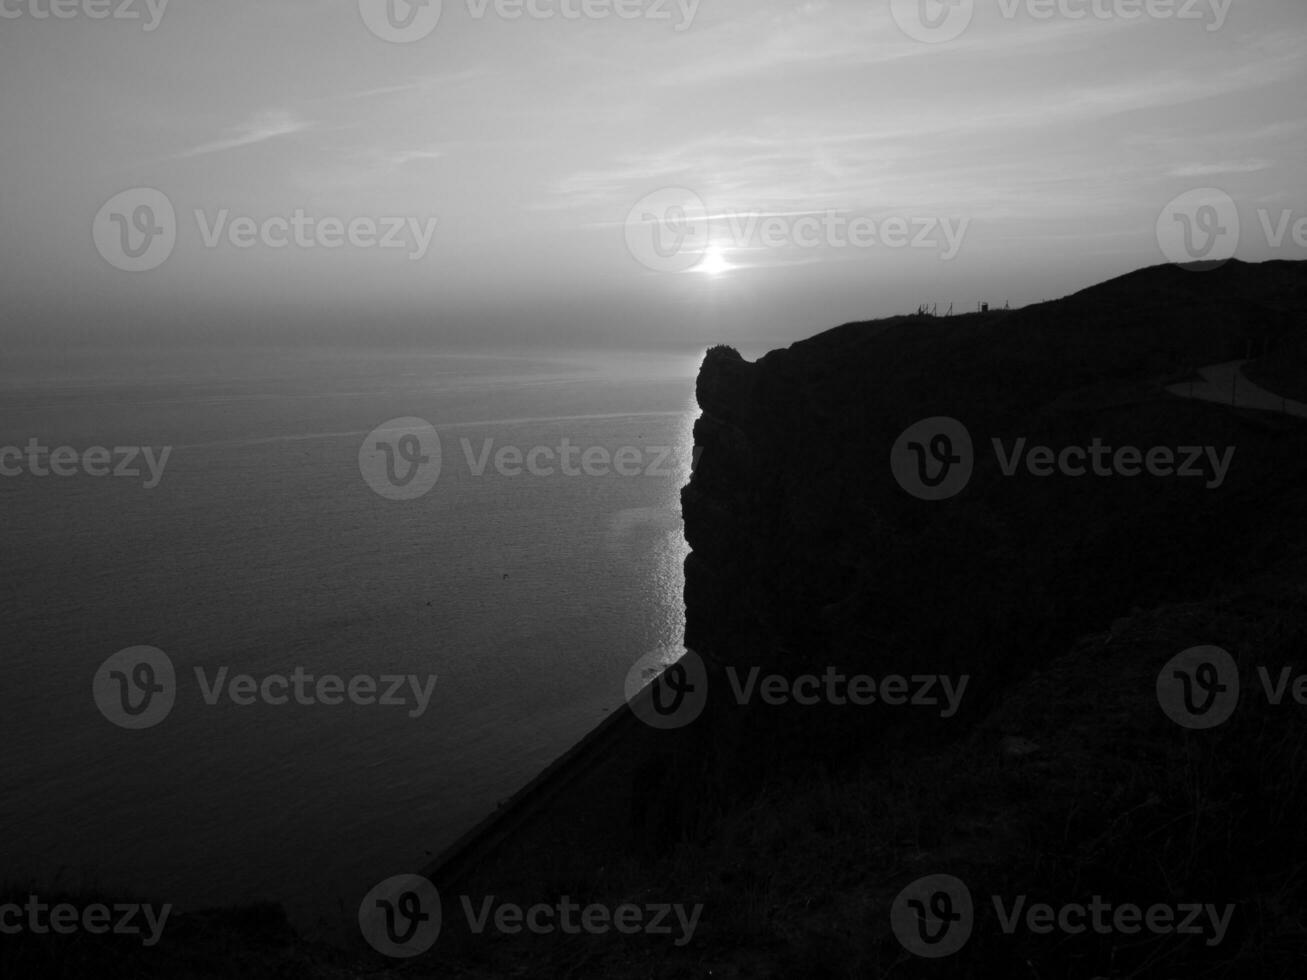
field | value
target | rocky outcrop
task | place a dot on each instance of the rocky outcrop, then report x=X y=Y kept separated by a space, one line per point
x=805 y=552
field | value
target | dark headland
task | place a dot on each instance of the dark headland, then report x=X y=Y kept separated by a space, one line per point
x=1059 y=597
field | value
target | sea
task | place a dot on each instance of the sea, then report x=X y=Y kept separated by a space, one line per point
x=263 y=546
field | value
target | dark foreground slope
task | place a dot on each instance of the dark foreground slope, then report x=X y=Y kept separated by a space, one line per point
x=1061 y=598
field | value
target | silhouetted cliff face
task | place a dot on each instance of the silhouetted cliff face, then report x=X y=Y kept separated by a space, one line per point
x=721 y=506
x=805 y=552
x=768 y=512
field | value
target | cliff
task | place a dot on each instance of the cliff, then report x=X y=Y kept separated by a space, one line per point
x=805 y=550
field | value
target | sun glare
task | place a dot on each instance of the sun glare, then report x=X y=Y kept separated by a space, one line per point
x=713 y=262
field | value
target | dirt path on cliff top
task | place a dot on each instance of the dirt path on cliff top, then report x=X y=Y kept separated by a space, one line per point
x=1226 y=383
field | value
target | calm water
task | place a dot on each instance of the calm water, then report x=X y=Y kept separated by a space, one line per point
x=263 y=549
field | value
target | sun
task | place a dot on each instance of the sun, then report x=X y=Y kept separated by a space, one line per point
x=713 y=262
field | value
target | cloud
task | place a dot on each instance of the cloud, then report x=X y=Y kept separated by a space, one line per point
x=398 y=158
x=420 y=84
x=818 y=38
x=823 y=162
x=1228 y=167
x=264 y=126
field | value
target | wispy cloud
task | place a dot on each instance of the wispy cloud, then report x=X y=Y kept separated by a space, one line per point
x=819 y=38
x=1228 y=167
x=264 y=126
x=420 y=84
x=398 y=158
x=824 y=163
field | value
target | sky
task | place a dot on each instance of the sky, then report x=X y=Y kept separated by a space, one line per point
x=626 y=174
